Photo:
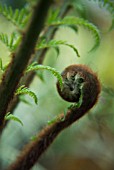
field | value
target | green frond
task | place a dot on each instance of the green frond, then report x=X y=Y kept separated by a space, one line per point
x=107 y=4
x=24 y=90
x=9 y=116
x=34 y=66
x=71 y=20
x=53 y=15
x=11 y=42
x=17 y=17
x=55 y=44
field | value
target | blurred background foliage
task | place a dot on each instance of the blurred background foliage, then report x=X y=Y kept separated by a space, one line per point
x=87 y=144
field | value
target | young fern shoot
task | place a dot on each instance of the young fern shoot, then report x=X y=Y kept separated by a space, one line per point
x=77 y=80
x=34 y=66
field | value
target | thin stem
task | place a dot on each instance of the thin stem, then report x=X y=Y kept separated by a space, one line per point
x=21 y=58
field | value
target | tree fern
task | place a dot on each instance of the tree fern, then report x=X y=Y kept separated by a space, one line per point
x=55 y=44
x=17 y=17
x=71 y=20
x=34 y=66
x=11 y=42
x=109 y=6
x=24 y=90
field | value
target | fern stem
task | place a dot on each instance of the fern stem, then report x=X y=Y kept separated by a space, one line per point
x=19 y=62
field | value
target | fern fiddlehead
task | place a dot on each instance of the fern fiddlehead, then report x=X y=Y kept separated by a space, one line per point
x=78 y=80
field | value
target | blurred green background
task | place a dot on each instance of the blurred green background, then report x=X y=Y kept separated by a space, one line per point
x=87 y=144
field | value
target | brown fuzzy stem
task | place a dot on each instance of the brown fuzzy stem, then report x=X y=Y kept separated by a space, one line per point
x=35 y=149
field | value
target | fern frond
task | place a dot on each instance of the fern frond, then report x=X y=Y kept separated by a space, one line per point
x=34 y=66
x=17 y=17
x=9 y=116
x=71 y=20
x=53 y=15
x=12 y=42
x=109 y=6
x=24 y=90
x=55 y=44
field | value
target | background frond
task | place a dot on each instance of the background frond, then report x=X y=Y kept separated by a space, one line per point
x=11 y=42
x=24 y=90
x=34 y=66
x=71 y=20
x=109 y=6
x=17 y=17
x=55 y=44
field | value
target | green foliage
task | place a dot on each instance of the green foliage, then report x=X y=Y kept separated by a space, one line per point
x=17 y=17
x=9 y=116
x=34 y=66
x=24 y=90
x=109 y=6
x=55 y=43
x=12 y=42
x=71 y=20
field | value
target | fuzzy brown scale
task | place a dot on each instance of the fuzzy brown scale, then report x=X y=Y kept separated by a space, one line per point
x=83 y=79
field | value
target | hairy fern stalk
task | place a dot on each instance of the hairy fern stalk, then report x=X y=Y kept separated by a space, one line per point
x=33 y=35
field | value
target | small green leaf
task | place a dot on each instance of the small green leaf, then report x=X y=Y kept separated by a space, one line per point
x=34 y=66
x=12 y=117
x=55 y=44
x=12 y=42
x=17 y=17
x=71 y=20
x=24 y=90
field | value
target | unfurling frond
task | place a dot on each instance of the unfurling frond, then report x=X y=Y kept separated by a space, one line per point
x=71 y=20
x=9 y=116
x=34 y=66
x=24 y=90
x=55 y=44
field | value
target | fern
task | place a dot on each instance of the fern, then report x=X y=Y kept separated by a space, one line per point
x=34 y=66
x=109 y=6
x=55 y=44
x=12 y=117
x=12 y=42
x=24 y=90
x=53 y=15
x=71 y=20
x=17 y=17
